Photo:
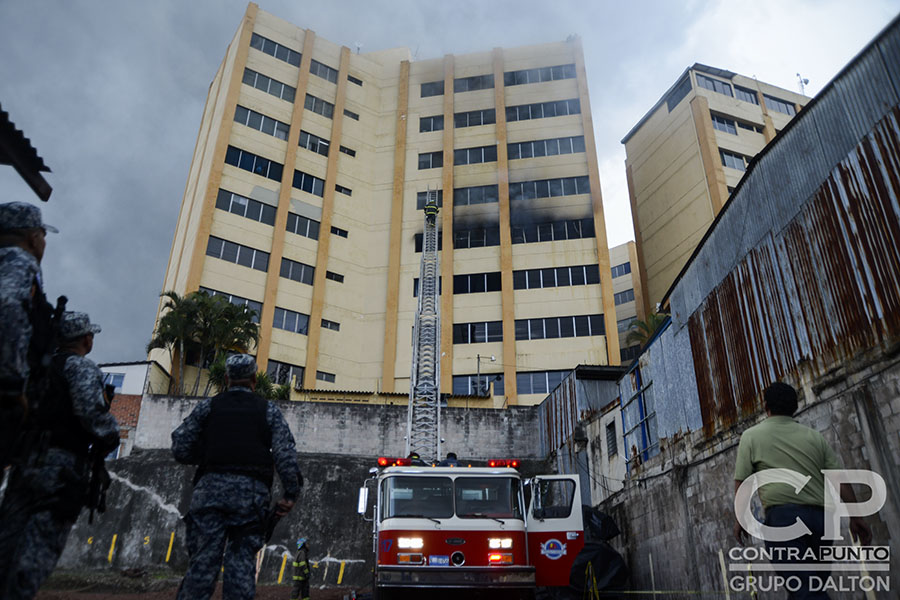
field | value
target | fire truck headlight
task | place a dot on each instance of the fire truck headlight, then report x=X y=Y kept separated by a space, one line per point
x=410 y=543
x=495 y=543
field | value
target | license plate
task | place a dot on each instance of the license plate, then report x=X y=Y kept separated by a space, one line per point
x=439 y=561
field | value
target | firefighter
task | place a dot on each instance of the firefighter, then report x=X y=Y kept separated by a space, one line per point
x=300 y=591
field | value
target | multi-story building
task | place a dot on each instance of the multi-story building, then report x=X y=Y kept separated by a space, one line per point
x=686 y=155
x=304 y=201
x=627 y=295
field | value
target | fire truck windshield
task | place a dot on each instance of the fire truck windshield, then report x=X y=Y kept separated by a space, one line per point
x=429 y=497
x=442 y=497
x=488 y=497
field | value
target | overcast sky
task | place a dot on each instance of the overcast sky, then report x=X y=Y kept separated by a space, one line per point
x=111 y=94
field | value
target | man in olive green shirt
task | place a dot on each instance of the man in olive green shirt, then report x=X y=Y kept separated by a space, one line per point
x=780 y=442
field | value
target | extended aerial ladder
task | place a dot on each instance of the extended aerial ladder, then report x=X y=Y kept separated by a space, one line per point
x=423 y=421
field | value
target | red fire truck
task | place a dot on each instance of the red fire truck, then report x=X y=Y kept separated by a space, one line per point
x=471 y=528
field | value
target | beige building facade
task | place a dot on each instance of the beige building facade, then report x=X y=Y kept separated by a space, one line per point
x=627 y=295
x=685 y=157
x=304 y=201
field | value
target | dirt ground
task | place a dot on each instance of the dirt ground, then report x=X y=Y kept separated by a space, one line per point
x=270 y=592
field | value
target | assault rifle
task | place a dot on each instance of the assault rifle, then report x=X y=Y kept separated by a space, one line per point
x=100 y=479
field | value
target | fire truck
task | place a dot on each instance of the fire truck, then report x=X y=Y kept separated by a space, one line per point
x=442 y=526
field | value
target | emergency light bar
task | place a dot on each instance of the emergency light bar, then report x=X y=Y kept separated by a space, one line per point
x=384 y=461
x=504 y=462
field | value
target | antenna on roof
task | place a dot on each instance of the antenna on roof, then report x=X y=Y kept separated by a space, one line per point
x=803 y=83
x=358 y=46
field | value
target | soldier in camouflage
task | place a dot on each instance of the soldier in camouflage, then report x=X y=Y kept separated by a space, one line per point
x=22 y=243
x=48 y=489
x=235 y=438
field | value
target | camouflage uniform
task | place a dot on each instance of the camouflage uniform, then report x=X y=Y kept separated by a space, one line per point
x=46 y=493
x=228 y=510
x=300 y=591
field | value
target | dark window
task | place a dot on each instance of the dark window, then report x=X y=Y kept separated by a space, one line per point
x=472 y=156
x=338 y=231
x=333 y=325
x=323 y=71
x=351 y=114
x=245 y=207
x=623 y=297
x=620 y=270
x=323 y=376
x=236 y=253
x=422 y=198
x=551 y=147
x=782 y=106
x=678 y=93
x=303 y=226
x=612 y=443
x=353 y=79
x=251 y=305
x=540 y=110
x=747 y=95
x=480 y=194
x=269 y=85
x=475 y=118
x=253 y=163
x=319 y=106
x=733 y=160
x=297 y=271
x=334 y=276
x=471 y=84
x=314 y=143
x=559 y=327
x=431 y=160
x=435 y=123
x=724 y=124
x=715 y=85
x=282 y=373
x=347 y=151
x=539 y=75
x=275 y=49
x=474 y=283
x=343 y=190
x=434 y=88
x=309 y=183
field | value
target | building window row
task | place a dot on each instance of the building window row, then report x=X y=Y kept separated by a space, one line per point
x=779 y=105
x=416 y=286
x=476 y=238
x=275 y=49
x=474 y=83
x=474 y=156
x=334 y=276
x=715 y=85
x=314 y=143
x=547 y=188
x=630 y=353
x=474 y=283
x=319 y=106
x=422 y=198
x=549 y=277
x=734 y=160
x=620 y=270
x=551 y=147
x=478 y=194
x=543 y=110
x=745 y=94
x=297 y=271
x=477 y=385
x=323 y=71
x=354 y=80
x=473 y=118
x=624 y=325
x=623 y=297
x=343 y=190
x=432 y=88
x=476 y=333
x=347 y=151
x=332 y=325
x=418 y=240
x=281 y=373
x=538 y=75
x=351 y=114
x=431 y=160
x=678 y=93
x=261 y=122
x=253 y=163
x=325 y=376
x=729 y=125
x=289 y=320
x=433 y=123
x=309 y=183
x=554 y=231
x=245 y=207
x=303 y=226
x=253 y=306
x=269 y=85
x=238 y=254
x=559 y=327
x=338 y=231
x=539 y=382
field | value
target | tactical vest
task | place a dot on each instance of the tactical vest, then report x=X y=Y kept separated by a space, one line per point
x=238 y=438
x=56 y=416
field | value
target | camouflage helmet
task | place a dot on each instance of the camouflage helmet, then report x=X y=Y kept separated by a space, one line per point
x=76 y=324
x=240 y=367
x=21 y=215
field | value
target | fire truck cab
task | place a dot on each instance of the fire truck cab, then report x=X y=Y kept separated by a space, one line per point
x=471 y=528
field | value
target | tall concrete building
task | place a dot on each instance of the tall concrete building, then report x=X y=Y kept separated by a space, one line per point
x=627 y=295
x=687 y=154
x=304 y=201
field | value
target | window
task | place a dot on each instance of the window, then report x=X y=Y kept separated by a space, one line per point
x=749 y=126
x=559 y=327
x=323 y=376
x=314 y=143
x=238 y=254
x=475 y=333
x=319 y=106
x=539 y=382
x=724 y=124
x=416 y=285
x=347 y=151
x=323 y=71
x=778 y=105
x=332 y=325
x=623 y=297
x=480 y=194
x=476 y=238
x=422 y=198
x=474 y=283
x=303 y=226
x=114 y=379
x=745 y=94
x=297 y=271
x=435 y=123
x=334 y=276
x=338 y=231
x=433 y=88
x=713 y=84
x=733 y=160
x=473 y=156
x=475 y=385
x=291 y=321
x=425 y=497
x=431 y=160
x=261 y=122
x=546 y=188
x=354 y=80
x=572 y=229
x=640 y=432
x=275 y=49
x=282 y=373
x=630 y=353
x=552 y=147
x=252 y=305
x=678 y=93
x=245 y=207
x=494 y=498
x=612 y=445
x=351 y=114
x=538 y=75
x=343 y=190
x=269 y=85
x=471 y=84
x=418 y=242
x=625 y=324
x=475 y=118
x=540 y=110
x=556 y=277
x=253 y=163
x=620 y=270
x=309 y=183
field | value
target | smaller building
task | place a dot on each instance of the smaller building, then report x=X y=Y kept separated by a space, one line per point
x=131 y=381
x=627 y=295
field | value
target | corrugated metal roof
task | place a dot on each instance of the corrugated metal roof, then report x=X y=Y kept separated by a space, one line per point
x=16 y=150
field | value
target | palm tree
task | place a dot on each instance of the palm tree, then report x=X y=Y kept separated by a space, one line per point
x=174 y=331
x=642 y=331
